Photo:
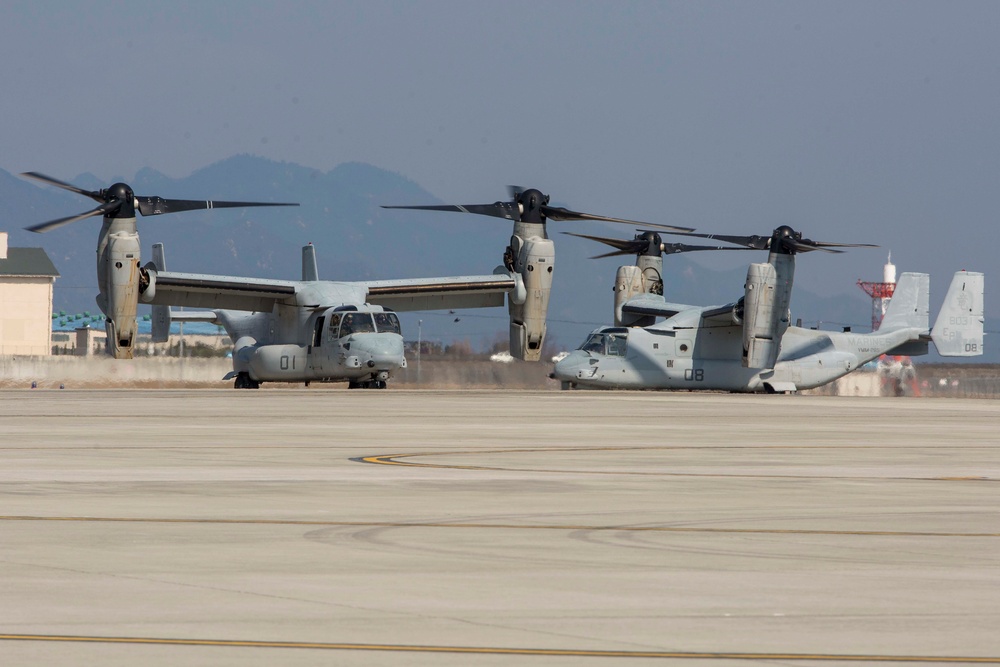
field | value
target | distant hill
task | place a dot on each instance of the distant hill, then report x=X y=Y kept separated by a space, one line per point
x=355 y=239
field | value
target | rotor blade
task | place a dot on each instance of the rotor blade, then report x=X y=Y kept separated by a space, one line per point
x=616 y=253
x=160 y=206
x=827 y=244
x=669 y=249
x=500 y=209
x=808 y=246
x=674 y=248
x=96 y=196
x=620 y=244
x=559 y=213
x=624 y=247
x=636 y=246
x=753 y=242
x=514 y=191
x=52 y=224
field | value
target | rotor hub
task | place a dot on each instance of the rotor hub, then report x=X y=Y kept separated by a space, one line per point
x=531 y=203
x=785 y=239
x=653 y=243
x=123 y=194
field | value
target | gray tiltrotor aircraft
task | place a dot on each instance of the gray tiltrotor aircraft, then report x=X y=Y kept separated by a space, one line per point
x=529 y=248
x=120 y=278
x=748 y=346
x=311 y=330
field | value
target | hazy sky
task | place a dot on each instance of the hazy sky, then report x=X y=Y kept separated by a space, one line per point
x=853 y=121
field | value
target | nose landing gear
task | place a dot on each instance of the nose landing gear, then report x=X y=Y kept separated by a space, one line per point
x=377 y=381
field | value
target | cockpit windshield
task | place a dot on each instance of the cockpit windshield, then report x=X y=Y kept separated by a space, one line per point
x=387 y=323
x=356 y=323
x=610 y=342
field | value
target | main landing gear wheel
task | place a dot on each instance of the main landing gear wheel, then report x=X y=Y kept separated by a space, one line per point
x=367 y=384
x=244 y=381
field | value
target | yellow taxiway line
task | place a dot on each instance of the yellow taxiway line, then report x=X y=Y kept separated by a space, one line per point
x=499 y=650
x=495 y=526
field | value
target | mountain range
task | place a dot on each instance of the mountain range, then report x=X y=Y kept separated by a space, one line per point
x=355 y=239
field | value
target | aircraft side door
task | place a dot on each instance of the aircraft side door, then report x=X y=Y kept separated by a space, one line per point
x=325 y=344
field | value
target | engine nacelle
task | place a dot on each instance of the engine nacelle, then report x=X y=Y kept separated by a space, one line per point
x=122 y=293
x=534 y=260
x=628 y=284
x=761 y=336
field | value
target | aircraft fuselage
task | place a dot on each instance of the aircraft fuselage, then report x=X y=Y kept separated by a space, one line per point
x=360 y=345
x=710 y=358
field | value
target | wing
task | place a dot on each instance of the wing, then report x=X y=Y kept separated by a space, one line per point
x=719 y=315
x=441 y=293
x=652 y=304
x=195 y=290
x=209 y=316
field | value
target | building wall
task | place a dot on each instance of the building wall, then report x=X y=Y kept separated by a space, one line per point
x=26 y=315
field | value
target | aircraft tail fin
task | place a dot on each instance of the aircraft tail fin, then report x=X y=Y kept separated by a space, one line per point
x=958 y=329
x=310 y=270
x=160 y=316
x=909 y=307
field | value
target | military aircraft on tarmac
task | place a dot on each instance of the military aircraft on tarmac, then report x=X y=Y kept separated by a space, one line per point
x=119 y=276
x=312 y=330
x=748 y=345
x=530 y=247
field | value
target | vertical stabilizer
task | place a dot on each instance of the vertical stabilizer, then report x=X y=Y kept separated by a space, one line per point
x=909 y=307
x=958 y=329
x=310 y=270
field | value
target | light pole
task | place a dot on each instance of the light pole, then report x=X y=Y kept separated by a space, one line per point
x=420 y=324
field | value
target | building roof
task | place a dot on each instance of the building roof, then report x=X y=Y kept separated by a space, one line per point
x=27 y=262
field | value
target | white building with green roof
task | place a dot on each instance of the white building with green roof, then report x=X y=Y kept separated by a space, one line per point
x=27 y=276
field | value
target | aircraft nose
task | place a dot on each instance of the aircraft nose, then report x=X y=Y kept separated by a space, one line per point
x=383 y=351
x=570 y=367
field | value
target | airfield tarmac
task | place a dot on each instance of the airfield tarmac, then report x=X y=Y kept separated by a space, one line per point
x=308 y=527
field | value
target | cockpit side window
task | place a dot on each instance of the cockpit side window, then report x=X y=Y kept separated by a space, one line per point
x=335 y=325
x=611 y=343
x=616 y=344
x=594 y=344
x=356 y=323
x=387 y=323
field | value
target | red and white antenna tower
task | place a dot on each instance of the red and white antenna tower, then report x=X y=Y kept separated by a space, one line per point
x=881 y=292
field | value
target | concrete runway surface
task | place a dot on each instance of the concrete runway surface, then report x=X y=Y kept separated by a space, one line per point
x=309 y=527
